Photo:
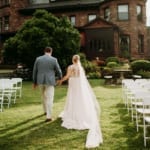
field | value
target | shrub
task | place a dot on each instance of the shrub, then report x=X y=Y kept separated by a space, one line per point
x=138 y=65
x=91 y=69
x=94 y=75
x=82 y=58
x=112 y=59
x=106 y=71
x=144 y=74
x=112 y=64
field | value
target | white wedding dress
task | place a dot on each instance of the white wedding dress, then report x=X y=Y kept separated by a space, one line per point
x=81 y=110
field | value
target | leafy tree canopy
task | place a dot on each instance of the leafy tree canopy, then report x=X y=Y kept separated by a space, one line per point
x=43 y=29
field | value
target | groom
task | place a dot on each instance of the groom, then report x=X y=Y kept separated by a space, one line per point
x=44 y=70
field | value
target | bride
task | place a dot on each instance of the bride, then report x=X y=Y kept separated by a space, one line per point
x=81 y=110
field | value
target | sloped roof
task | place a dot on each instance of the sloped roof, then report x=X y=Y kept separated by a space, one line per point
x=63 y=5
x=99 y=21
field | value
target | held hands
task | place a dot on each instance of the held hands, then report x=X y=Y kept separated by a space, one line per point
x=59 y=82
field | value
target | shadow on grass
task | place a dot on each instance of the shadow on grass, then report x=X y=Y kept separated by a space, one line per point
x=38 y=135
x=19 y=124
x=133 y=139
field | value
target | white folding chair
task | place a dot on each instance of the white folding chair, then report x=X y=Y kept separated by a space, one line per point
x=146 y=119
x=132 y=88
x=9 y=92
x=137 y=100
x=126 y=93
x=143 y=111
x=17 y=82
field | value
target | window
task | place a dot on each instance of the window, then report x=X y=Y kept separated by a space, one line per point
x=140 y=43
x=123 y=12
x=124 y=43
x=73 y=20
x=107 y=14
x=139 y=12
x=6 y=22
x=40 y=1
x=91 y=17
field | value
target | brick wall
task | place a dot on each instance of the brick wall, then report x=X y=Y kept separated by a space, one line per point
x=131 y=27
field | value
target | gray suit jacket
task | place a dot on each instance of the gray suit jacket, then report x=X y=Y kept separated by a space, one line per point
x=45 y=70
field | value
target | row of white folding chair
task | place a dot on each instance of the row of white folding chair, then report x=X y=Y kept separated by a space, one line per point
x=137 y=94
x=139 y=109
x=9 y=88
x=132 y=95
x=129 y=87
x=17 y=84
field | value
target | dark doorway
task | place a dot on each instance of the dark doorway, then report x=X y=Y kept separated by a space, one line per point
x=99 y=42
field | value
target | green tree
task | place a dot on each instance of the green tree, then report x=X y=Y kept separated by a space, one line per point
x=43 y=29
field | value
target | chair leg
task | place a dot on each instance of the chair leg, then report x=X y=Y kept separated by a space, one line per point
x=137 y=128
x=144 y=134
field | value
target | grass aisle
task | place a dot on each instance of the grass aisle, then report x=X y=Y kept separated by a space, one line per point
x=22 y=126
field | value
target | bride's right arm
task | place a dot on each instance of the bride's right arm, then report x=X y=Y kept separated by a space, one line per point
x=66 y=77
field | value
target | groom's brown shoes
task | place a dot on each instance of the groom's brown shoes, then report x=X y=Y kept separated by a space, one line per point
x=48 y=120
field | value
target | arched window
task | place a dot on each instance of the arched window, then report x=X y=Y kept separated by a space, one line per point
x=124 y=43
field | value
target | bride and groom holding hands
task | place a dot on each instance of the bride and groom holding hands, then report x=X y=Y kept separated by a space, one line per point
x=81 y=110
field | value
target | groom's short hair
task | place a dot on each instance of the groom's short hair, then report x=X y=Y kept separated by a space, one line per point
x=48 y=49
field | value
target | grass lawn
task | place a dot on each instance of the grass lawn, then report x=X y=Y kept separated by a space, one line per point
x=22 y=126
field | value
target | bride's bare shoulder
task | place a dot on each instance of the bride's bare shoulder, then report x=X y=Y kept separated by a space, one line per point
x=71 y=66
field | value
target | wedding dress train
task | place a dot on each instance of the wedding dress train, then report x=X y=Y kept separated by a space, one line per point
x=81 y=110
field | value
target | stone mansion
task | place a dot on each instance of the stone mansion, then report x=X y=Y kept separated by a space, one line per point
x=107 y=27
